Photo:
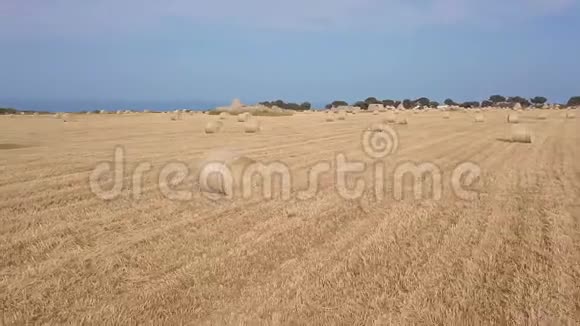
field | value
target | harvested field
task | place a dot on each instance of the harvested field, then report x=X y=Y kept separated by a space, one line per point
x=511 y=255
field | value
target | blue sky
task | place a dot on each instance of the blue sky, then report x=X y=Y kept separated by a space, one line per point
x=135 y=53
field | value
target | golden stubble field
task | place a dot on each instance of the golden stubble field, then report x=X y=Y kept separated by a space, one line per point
x=510 y=256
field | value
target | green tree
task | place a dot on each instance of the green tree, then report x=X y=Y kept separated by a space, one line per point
x=539 y=100
x=434 y=104
x=338 y=103
x=449 y=102
x=486 y=103
x=497 y=98
x=292 y=106
x=372 y=100
x=518 y=99
x=574 y=101
x=470 y=104
x=286 y=106
x=422 y=101
x=7 y=111
x=388 y=103
x=362 y=105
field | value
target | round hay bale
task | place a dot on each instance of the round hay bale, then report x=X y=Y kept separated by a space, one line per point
x=402 y=120
x=543 y=116
x=391 y=117
x=513 y=118
x=222 y=173
x=243 y=117
x=446 y=115
x=375 y=112
x=213 y=127
x=521 y=134
x=570 y=115
x=329 y=118
x=479 y=118
x=223 y=116
x=252 y=126
x=376 y=106
x=342 y=116
x=176 y=116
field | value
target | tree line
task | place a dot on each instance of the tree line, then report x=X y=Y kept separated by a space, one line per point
x=15 y=111
x=288 y=106
x=424 y=102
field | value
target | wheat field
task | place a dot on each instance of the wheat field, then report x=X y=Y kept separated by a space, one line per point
x=510 y=256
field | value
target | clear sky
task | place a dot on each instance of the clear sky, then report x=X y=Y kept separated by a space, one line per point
x=142 y=52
